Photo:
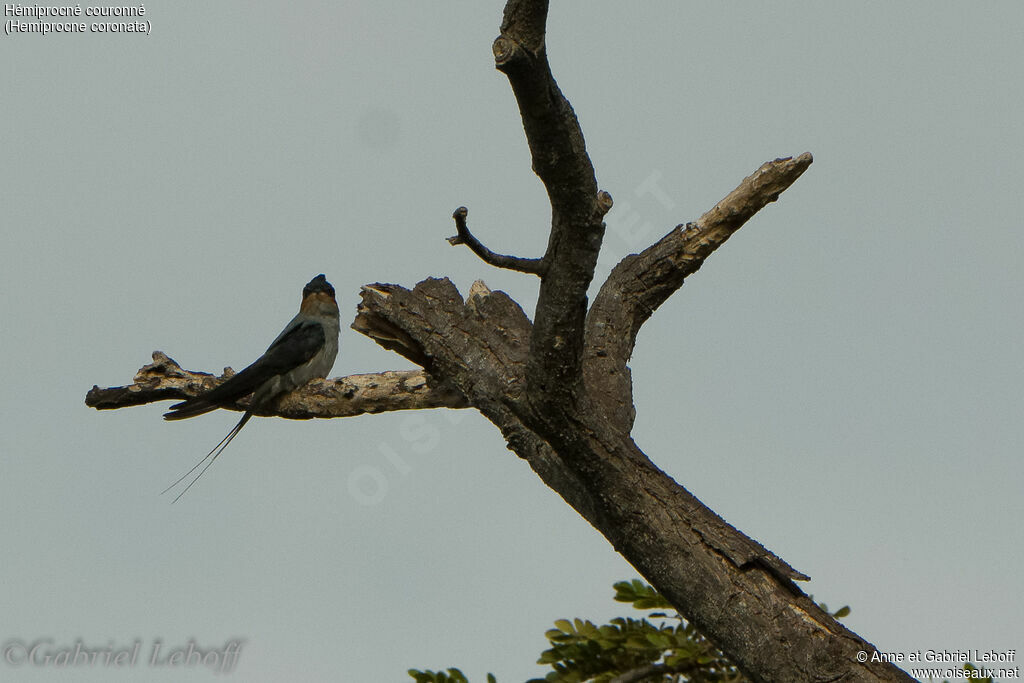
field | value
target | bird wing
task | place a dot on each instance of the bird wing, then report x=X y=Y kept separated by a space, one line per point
x=296 y=345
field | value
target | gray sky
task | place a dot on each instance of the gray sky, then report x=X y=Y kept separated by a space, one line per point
x=842 y=380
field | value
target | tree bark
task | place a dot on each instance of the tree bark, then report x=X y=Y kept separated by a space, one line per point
x=559 y=388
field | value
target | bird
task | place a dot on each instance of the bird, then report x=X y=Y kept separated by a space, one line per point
x=305 y=349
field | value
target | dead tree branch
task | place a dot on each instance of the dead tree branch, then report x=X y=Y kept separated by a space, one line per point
x=164 y=379
x=464 y=236
x=642 y=282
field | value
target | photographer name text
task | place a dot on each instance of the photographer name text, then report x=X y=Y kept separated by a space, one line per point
x=45 y=652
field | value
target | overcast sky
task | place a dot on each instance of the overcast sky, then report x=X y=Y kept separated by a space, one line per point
x=842 y=380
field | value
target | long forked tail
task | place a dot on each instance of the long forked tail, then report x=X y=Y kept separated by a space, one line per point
x=211 y=456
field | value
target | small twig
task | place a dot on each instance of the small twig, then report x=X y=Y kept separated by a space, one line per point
x=523 y=265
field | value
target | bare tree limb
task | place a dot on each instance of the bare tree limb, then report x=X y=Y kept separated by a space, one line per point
x=642 y=282
x=464 y=236
x=164 y=379
x=525 y=21
x=560 y=160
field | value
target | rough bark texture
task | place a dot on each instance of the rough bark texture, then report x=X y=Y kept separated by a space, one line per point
x=164 y=379
x=559 y=388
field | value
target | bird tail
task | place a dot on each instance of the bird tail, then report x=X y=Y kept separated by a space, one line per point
x=211 y=456
x=190 y=408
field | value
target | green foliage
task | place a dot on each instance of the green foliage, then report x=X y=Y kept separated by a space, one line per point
x=838 y=614
x=582 y=651
x=640 y=594
x=661 y=645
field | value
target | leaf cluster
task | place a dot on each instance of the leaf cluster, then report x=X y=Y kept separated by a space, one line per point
x=661 y=646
